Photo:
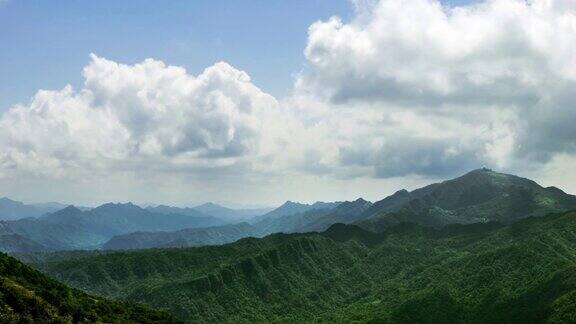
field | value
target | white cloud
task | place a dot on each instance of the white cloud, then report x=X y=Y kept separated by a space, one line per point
x=406 y=91
x=421 y=52
x=146 y=113
x=490 y=83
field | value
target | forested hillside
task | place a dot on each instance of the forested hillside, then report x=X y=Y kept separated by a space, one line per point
x=479 y=273
x=478 y=196
x=28 y=296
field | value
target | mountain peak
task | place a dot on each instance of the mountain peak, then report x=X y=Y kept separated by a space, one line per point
x=63 y=215
x=209 y=205
x=7 y=200
x=69 y=209
x=290 y=203
x=357 y=202
x=478 y=196
x=117 y=205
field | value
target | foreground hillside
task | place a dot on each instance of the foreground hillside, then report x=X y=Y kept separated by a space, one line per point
x=28 y=296
x=479 y=273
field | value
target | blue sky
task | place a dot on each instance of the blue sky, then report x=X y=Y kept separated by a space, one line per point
x=45 y=44
x=405 y=95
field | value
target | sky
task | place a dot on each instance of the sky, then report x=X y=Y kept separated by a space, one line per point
x=54 y=38
x=258 y=102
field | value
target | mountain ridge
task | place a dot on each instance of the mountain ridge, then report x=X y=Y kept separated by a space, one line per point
x=348 y=273
x=480 y=195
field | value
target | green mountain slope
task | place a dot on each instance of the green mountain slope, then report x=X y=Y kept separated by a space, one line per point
x=478 y=196
x=28 y=296
x=479 y=273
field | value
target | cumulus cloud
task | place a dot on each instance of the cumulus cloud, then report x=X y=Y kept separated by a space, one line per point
x=422 y=52
x=405 y=90
x=497 y=75
x=142 y=113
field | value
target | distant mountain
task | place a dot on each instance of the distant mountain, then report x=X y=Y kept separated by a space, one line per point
x=55 y=206
x=167 y=210
x=69 y=228
x=477 y=273
x=12 y=210
x=15 y=243
x=183 y=238
x=290 y=223
x=291 y=208
x=72 y=228
x=127 y=218
x=28 y=296
x=479 y=196
x=345 y=213
x=389 y=204
x=316 y=217
x=229 y=214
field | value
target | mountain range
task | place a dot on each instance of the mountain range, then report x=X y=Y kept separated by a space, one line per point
x=477 y=197
x=291 y=208
x=475 y=273
x=229 y=214
x=483 y=247
x=215 y=235
x=72 y=228
x=11 y=209
x=278 y=220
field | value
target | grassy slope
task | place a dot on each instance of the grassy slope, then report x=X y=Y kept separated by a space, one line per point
x=524 y=272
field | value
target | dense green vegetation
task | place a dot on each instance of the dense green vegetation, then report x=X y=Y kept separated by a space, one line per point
x=484 y=247
x=479 y=196
x=479 y=273
x=28 y=296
